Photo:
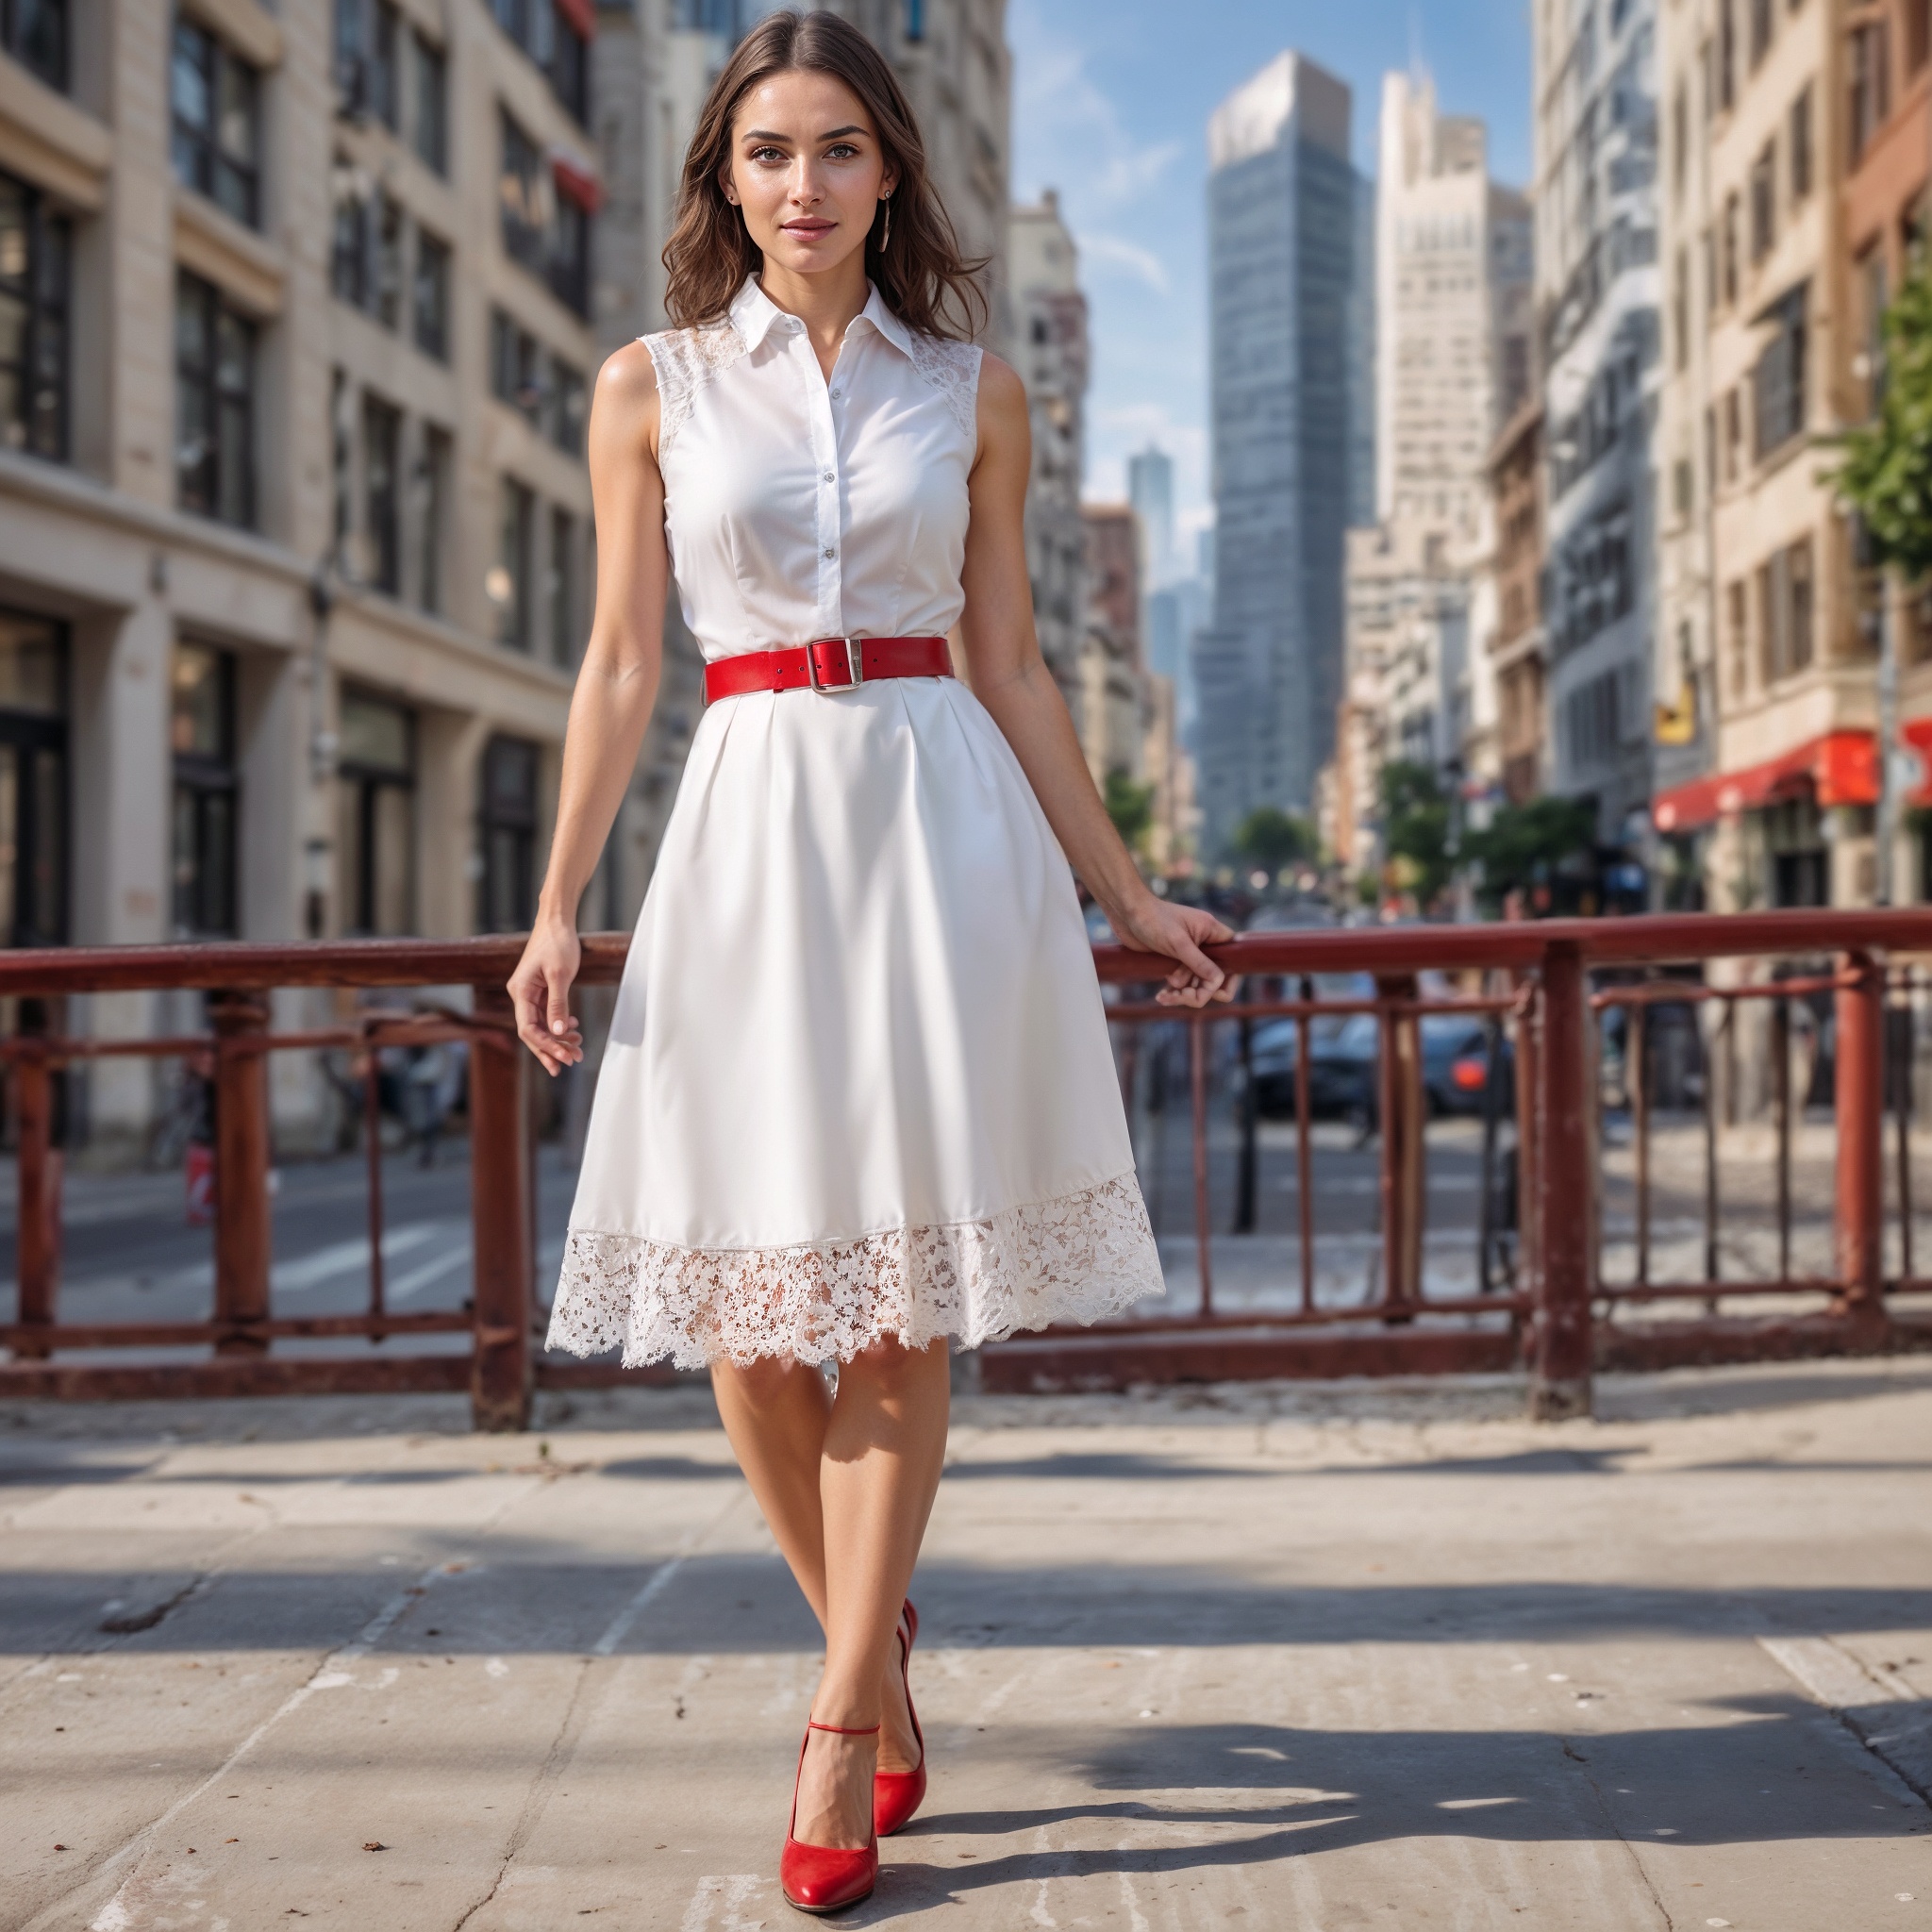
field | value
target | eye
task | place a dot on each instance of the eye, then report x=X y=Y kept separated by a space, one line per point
x=767 y=153
x=841 y=150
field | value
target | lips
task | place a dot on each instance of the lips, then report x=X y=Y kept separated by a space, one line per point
x=809 y=227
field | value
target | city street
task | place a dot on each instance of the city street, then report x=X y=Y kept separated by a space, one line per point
x=1269 y=1656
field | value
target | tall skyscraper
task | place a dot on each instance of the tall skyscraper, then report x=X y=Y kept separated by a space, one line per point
x=1285 y=279
x=1150 y=489
x=1454 y=274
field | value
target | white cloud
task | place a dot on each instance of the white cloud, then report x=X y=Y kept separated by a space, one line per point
x=1111 y=250
x=1076 y=136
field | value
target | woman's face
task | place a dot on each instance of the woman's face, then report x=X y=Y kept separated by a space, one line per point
x=806 y=168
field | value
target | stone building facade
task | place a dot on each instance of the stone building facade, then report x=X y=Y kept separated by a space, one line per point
x=295 y=552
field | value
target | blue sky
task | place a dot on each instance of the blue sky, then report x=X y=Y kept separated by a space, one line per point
x=1110 y=105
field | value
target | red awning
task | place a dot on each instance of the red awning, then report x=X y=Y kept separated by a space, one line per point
x=582 y=14
x=1840 y=768
x=575 y=182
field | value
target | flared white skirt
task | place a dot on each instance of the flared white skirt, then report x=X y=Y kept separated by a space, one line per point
x=859 y=1083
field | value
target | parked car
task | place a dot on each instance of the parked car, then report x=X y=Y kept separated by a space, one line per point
x=1345 y=1055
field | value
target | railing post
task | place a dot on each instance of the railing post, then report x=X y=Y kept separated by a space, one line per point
x=501 y=1220
x=1400 y=1106
x=1858 y=1100
x=38 y=1241
x=243 y=1241
x=1560 y=1370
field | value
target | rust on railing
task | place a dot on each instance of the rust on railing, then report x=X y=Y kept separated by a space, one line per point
x=1547 y=1305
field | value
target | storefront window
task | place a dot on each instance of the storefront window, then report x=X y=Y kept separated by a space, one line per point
x=375 y=815
x=33 y=780
x=508 y=834
x=205 y=792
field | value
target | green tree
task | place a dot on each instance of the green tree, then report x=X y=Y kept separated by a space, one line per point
x=1130 y=805
x=1887 y=473
x=1415 y=830
x=1524 y=843
x=1270 y=839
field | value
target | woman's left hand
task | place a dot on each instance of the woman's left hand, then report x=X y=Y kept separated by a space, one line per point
x=1178 y=932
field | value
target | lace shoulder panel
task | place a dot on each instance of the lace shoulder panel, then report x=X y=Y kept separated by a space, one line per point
x=953 y=369
x=686 y=359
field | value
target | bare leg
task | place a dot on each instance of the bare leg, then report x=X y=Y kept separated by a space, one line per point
x=884 y=1449
x=775 y=1412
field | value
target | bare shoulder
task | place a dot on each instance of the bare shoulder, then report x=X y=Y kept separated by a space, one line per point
x=1001 y=406
x=1000 y=387
x=628 y=379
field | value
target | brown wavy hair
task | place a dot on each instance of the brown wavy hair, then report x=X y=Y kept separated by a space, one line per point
x=924 y=280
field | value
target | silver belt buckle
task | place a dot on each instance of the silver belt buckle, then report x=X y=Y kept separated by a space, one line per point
x=855 y=667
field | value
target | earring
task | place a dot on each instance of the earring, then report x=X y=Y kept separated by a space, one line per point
x=886 y=233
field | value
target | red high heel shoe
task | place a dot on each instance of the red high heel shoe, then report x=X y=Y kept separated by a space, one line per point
x=825 y=1879
x=897 y=1795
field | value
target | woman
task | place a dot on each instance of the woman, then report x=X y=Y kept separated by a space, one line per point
x=858 y=1098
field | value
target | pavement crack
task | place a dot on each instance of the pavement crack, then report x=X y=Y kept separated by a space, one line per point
x=1616 y=1830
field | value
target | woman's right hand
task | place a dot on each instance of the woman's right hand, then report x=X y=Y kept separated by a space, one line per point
x=541 y=989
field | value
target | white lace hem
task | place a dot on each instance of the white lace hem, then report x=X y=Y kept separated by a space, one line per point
x=1080 y=1257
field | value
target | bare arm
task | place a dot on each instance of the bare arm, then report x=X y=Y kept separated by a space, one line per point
x=615 y=690
x=1012 y=680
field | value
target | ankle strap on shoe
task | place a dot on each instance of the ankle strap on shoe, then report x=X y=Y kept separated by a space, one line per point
x=811 y=1724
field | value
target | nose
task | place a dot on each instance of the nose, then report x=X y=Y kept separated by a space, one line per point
x=805 y=187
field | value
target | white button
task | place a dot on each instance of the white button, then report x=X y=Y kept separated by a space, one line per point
x=837 y=393
x=831 y=553
x=831 y=476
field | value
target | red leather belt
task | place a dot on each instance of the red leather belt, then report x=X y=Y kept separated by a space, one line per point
x=826 y=664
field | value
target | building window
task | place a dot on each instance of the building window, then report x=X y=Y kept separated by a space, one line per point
x=509 y=828
x=429 y=304
x=1870 y=279
x=1916 y=23
x=1680 y=141
x=566 y=427
x=213 y=96
x=431 y=131
x=214 y=373
x=555 y=34
x=1726 y=55
x=202 y=732
x=1734 y=435
x=544 y=230
x=33 y=781
x=36 y=251
x=1777 y=378
x=1801 y=146
x=432 y=511
x=510 y=582
x=340 y=449
x=1763 y=21
x=1763 y=202
x=1869 y=86
x=1730 y=249
x=35 y=33
x=384 y=79
x=387 y=289
x=349 y=244
x=562 y=587
x=375 y=814
x=516 y=367
x=382 y=435
x=1738 y=634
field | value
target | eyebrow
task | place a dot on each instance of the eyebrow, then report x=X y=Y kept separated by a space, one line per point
x=766 y=134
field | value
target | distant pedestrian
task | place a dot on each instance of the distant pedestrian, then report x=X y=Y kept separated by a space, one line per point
x=859 y=1098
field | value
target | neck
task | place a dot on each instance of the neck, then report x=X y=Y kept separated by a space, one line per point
x=825 y=302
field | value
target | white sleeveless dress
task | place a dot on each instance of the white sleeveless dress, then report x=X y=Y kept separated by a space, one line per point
x=859 y=1083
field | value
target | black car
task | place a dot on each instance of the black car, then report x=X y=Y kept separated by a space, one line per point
x=1345 y=1055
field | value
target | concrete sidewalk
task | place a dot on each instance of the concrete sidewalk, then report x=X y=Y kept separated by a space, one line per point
x=1266 y=1656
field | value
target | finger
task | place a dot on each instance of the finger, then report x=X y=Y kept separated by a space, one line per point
x=1197 y=963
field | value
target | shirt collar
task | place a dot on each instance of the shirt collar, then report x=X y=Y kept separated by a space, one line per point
x=754 y=315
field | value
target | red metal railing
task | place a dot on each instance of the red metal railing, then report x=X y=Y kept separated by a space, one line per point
x=1557 y=1313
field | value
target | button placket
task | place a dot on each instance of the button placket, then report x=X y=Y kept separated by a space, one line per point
x=825 y=452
